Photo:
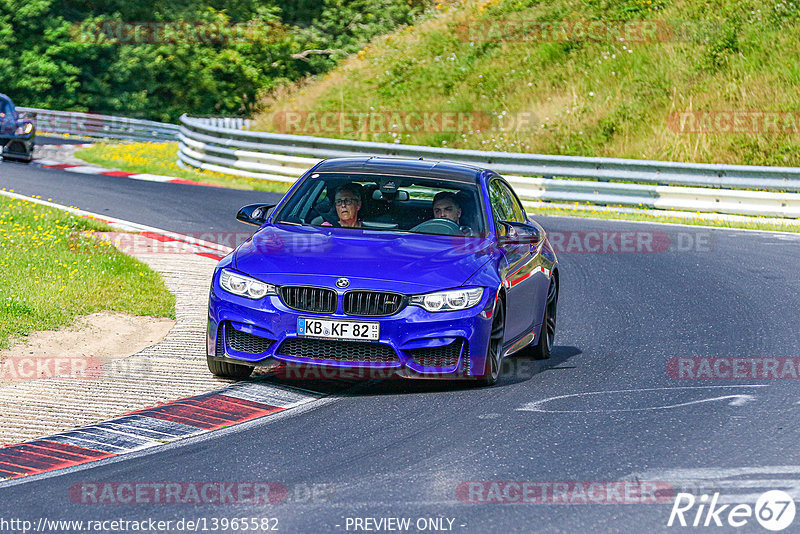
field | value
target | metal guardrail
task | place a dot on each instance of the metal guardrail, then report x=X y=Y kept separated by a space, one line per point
x=237 y=123
x=102 y=126
x=663 y=185
x=114 y=127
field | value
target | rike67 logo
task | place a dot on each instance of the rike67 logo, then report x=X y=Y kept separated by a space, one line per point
x=774 y=510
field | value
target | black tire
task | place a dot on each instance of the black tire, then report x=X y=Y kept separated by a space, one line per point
x=491 y=369
x=17 y=159
x=228 y=370
x=547 y=333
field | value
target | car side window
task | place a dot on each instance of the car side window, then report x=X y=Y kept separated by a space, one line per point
x=517 y=212
x=500 y=207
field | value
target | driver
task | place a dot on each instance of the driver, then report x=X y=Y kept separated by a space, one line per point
x=446 y=206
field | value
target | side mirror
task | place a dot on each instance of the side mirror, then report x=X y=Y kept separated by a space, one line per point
x=255 y=214
x=517 y=233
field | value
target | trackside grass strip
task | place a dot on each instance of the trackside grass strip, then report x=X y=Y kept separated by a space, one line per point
x=53 y=269
x=161 y=158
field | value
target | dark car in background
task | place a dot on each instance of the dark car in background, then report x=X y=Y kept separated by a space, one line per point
x=17 y=132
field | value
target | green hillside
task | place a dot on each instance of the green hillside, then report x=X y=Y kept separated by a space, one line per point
x=572 y=88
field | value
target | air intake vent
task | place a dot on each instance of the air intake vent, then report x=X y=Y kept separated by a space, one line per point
x=339 y=351
x=446 y=356
x=219 y=349
x=242 y=342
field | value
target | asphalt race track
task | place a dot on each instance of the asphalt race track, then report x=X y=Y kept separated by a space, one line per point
x=47 y=140
x=186 y=209
x=405 y=449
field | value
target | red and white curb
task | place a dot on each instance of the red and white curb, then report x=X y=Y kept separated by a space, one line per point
x=188 y=244
x=92 y=169
x=155 y=426
x=165 y=423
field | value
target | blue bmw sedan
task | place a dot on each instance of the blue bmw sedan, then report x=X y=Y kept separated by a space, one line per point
x=409 y=268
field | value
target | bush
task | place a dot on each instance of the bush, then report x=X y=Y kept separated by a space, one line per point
x=68 y=54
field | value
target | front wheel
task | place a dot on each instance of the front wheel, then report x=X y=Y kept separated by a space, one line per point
x=547 y=334
x=491 y=369
x=18 y=159
x=228 y=370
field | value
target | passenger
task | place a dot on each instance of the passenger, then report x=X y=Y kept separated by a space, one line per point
x=348 y=202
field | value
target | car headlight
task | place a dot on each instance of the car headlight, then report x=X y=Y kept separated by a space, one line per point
x=244 y=286
x=456 y=299
x=24 y=129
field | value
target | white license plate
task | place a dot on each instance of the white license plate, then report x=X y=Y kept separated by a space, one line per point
x=356 y=330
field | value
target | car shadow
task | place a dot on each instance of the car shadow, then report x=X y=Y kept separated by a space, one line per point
x=515 y=369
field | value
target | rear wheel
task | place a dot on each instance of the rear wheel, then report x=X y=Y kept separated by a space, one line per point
x=228 y=370
x=491 y=369
x=547 y=334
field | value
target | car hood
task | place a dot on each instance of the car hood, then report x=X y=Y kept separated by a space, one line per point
x=408 y=263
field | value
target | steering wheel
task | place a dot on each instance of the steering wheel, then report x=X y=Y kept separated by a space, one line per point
x=438 y=226
x=467 y=231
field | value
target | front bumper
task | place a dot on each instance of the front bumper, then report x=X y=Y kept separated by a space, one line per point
x=18 y=146
x=413 y=343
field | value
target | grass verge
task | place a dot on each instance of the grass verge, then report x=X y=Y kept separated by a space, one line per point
x=159 y=158
x=656 y=217
x=52 y=269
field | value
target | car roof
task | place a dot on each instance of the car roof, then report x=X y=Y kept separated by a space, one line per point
x=458 y=172
x=7 y=100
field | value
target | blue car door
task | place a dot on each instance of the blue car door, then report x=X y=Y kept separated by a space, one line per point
x=523 y=299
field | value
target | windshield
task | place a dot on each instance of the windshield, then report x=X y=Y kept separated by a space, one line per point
x=385 y=203
x=7 y=114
